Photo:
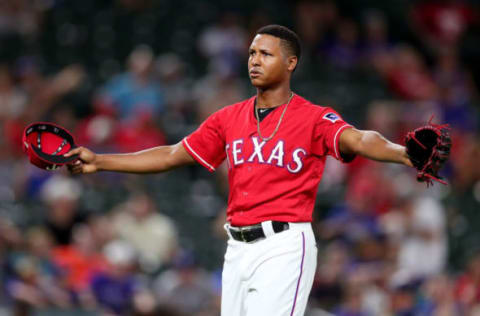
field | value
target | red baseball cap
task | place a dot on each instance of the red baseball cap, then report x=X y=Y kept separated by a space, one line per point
x=46 y=143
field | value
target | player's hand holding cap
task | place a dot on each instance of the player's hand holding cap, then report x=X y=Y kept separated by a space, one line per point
x=46 y=143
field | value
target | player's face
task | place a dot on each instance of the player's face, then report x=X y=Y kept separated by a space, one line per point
x=268 y=63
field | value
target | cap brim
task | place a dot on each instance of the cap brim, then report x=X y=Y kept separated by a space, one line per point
x=55 y=159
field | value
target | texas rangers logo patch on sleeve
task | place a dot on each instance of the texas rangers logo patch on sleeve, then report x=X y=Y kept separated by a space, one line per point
x=332 y=117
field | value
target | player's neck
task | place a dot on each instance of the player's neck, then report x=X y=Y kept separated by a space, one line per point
x=270 y=98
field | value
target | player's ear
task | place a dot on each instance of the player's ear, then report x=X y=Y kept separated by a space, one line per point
x=292 y=63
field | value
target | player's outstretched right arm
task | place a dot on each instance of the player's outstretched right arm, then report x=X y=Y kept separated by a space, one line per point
x=152 y=160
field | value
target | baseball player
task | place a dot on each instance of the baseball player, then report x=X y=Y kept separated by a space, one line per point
x=275 y=144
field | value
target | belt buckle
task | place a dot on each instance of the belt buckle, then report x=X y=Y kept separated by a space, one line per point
x=242 y=235
x=242 y=230
x=239 y=230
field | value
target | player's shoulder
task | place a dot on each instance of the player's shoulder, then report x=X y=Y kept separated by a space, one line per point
x=235 y=107
x=312 y=109
x=240 y=105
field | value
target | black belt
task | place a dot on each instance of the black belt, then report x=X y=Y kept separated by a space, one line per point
x=255 y=232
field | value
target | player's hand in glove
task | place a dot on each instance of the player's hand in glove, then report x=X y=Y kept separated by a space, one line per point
x=85 y=162
x=428 y=147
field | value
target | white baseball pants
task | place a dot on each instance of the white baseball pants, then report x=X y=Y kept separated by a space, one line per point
x=272 y=276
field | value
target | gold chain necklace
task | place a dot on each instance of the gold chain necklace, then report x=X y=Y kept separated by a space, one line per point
x=278 y=124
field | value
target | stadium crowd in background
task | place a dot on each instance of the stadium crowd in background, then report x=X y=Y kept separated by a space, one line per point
x=126 y=75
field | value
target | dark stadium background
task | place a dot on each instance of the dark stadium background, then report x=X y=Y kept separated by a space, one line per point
x=130 y=74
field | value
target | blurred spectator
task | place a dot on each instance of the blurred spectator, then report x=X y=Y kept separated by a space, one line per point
x=216 y=90
x=135 y=91
x=370 y=187
x=377 y=40
x=441 y=23
x=356 y=218
x=153 y=235
x=424 y=238
x=225 y=43
x=187 y=288
x=127 y=109
x=465 y=159
x=173 y=74
x=403 y=299
x=408 y=76
x=28 y=71
x=61 y=196
x=98 y=131
x=10 y=239
x=385 y=116
x=333 y=264
x=13 y=102
x=45 y=91
x=144 y=304
x=101 y=229
x=314 y=19
x=12 y=170
x=376 y=297
x=10 y=236
x=456 y=91
x=139 y=134
x=20 y=16
x=32 y=279
x=438 y=298
x=114 y=289
x=352 y=302
x=467 y=287
x=368 y=275
x=345 y=52
x=79 y=262
x=12 y=99
x=33 y=97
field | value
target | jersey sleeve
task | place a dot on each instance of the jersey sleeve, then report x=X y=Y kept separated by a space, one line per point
x=207 y=144
x=328 y=128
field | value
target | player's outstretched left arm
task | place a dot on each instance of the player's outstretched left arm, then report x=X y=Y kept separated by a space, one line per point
x=372 y=145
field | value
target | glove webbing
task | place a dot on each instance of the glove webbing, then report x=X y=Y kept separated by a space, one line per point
x=421 y=174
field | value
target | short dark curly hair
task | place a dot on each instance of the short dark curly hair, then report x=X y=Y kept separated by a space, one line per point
x=289 y=38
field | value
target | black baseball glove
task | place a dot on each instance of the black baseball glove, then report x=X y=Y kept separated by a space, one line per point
x=428 y=147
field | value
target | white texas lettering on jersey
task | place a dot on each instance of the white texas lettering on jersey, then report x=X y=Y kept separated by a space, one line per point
x=227 y=147
x=257 y=150
x=297 y=159
x=276 y=157
x=277 y=154
x=237 y=149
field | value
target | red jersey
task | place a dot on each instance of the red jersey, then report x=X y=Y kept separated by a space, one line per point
x=273 y=180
